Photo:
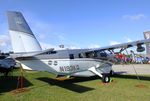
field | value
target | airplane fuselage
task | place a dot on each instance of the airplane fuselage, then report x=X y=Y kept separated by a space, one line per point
x=66 y=62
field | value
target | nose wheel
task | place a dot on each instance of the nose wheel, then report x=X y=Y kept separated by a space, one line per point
x=106 y=78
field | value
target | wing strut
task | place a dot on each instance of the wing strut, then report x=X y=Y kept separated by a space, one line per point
x=93 y=70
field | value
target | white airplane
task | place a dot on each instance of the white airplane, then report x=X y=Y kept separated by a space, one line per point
x=6 y=64
x=69 y=62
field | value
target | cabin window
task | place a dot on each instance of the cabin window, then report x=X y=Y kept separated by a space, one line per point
x=81 y=55
x=71 y=56
x=95 y=54
x=51 y=52
x=91 y=54
x=103 y=54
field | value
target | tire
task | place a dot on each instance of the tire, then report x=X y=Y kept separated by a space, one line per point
x=106 y=78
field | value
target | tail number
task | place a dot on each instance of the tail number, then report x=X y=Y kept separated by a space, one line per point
x=71 y=68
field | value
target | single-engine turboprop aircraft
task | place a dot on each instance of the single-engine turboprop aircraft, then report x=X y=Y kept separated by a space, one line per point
x=68 y=62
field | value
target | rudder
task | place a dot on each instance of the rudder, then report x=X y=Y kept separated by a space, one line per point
x=22 y=38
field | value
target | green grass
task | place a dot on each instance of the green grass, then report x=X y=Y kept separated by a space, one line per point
x=42 y=86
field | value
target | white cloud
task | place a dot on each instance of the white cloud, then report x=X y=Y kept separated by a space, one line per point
x=134 y=17
x=94 y=46
x=73 y=47
x=42 y=36
x=56 y=47
x=127 y=39
x=60 y=37
x=5 y=45
x=47 y=46
x=45 y=31
x=41 y=29
x=3 y=40
x=114 y=42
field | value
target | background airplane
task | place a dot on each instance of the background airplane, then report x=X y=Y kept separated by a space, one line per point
x=68 y=62
x=6 y=64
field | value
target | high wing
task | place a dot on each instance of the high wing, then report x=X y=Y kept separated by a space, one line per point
x=124 y=46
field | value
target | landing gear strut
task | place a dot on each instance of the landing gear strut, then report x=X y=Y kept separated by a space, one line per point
x=105 y=77
x=111 y=73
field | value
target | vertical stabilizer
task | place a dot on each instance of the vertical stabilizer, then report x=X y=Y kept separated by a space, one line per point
x=22 y=38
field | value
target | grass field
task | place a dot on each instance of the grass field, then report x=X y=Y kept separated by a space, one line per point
x=42 y=86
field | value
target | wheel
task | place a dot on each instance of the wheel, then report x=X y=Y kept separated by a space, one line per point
x=106 y=78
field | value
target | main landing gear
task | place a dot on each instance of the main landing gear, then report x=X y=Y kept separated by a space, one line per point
x=105 y=77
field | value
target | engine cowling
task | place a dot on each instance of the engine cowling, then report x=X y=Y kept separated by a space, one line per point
x=140 y=48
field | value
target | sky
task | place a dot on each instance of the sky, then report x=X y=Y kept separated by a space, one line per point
x=78 y=23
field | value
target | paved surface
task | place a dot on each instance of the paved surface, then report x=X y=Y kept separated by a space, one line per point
x=129 y=69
